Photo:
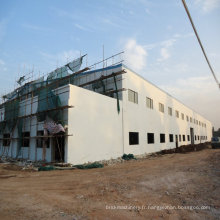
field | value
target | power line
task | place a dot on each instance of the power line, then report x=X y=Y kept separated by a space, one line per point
x=200 y=43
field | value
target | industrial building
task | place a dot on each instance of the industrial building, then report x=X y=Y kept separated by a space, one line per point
x=78 y=116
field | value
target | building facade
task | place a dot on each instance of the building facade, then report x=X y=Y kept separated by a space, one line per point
x=107 y=112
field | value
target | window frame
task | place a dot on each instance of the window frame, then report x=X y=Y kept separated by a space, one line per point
x=161 y=107
x=170 y=111
x=132 y=96
x=149 y=103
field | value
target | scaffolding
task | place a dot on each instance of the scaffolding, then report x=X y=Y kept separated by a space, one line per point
x=49 y=104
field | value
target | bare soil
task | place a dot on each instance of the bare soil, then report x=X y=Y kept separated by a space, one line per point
x=135 y=189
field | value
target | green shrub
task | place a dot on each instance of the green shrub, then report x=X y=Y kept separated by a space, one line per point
x=89 y=166
x=128 y=157
x=47 y=168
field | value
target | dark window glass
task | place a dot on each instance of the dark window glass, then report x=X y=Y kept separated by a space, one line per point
x=171 y=137
x=150 y=138
x=6 y=140
x=25 y=139
x=184 y=138
x=162 y=138
x=188 y=137
x=133 y=138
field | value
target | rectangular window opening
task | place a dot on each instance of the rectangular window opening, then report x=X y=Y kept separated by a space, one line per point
x=184 y=138
x=133 y=138
x=182 y=115
x=162 y=138
x=6 y=140
x=170 y=111
x=25 y=139
x=150 y=138
x=171 y=137
x=132 y=96
x=188 y=137
x=149 y=102
x=177 y=114
x=161 y=107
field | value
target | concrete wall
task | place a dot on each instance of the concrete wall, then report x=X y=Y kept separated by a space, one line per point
x=139 y=118
x=95 y=125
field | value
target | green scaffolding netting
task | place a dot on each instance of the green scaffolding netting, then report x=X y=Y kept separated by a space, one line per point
x=11 y=113
x=48 y=101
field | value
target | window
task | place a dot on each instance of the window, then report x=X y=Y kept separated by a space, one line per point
x=161 y=107
x=182 y=115
x=132 y=96
x=177 y=114
x=195 y=137
x=179 y=137
x=198 y=137
x=169 y=111
x=25 y=139
x=187 y=118
x=162 y=138
x=188 y=137
x=6 y=140
x=39 y=141
x=149 y=102
x=190 y=119
x=171 y=137
x=133 y=138
x=199 y=123
x=184 y=138
x=150 y=138
x=196 y=121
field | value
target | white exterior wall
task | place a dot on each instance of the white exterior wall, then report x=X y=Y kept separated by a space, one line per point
x=139 y=118
x=96 y=127
x=99 y=132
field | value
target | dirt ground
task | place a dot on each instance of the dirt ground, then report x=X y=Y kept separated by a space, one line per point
x=171 y=186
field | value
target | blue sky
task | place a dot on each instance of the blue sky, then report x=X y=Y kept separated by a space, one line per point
x=156 y=36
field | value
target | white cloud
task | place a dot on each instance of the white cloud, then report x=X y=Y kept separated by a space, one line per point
x=164 y=51
x=208 y=5
x=35 y=28
x=135 y=55
x=2 y=62
x=83 y=28
x=3 y=24
x=199 y=93
x=147 y=11
x=164 y=54
x=2 y=65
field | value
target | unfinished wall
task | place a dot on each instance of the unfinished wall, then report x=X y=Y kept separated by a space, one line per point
x=27 y=107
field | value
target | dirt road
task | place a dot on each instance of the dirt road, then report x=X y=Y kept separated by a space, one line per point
x=129 y=190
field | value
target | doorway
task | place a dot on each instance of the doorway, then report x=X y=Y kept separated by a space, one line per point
x=192 y=135
x=59 y=146
x=176 y=140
